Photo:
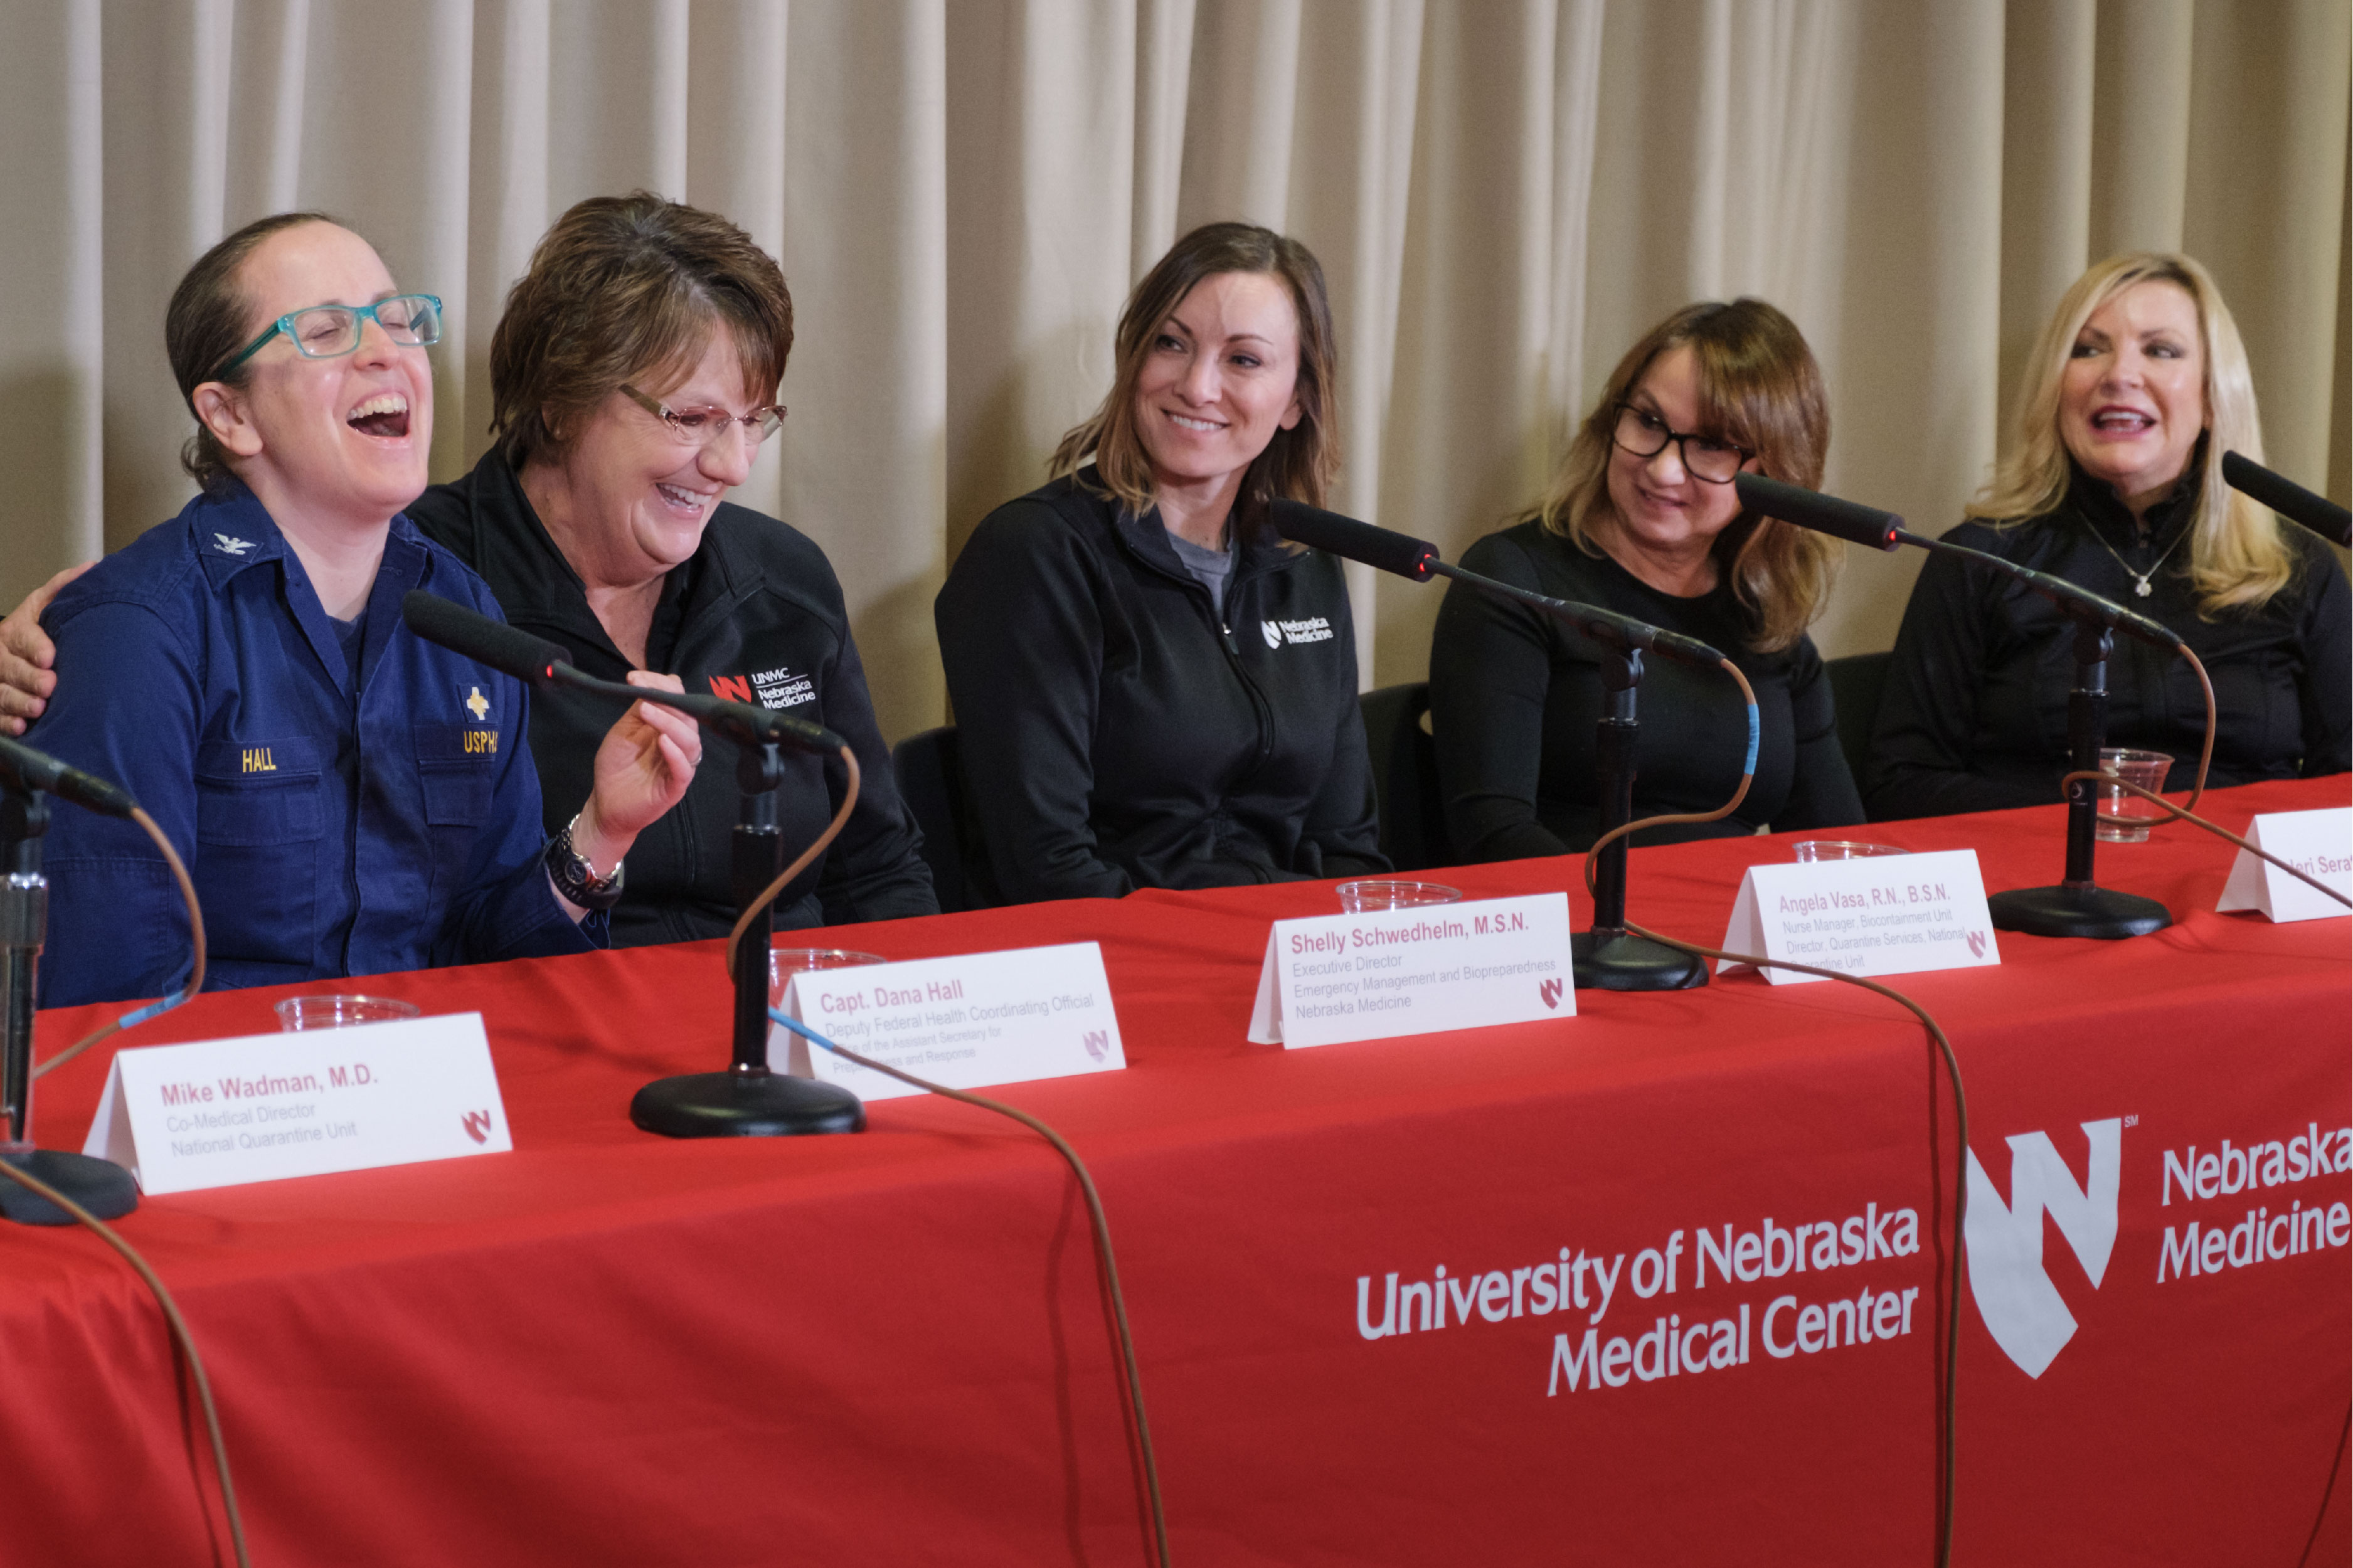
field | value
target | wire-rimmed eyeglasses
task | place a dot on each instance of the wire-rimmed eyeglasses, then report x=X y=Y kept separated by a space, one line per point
x=327 y=331
x=1645 y=435
x=701 y=426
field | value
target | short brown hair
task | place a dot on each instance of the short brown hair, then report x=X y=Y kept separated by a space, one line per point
x=1761 y=389
x=209 y=319
x=624 y=288
x=1300 y=463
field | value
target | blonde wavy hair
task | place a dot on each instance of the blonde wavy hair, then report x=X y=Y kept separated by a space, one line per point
x=1300 y=463
x=2237 y=557
x=1759 y=389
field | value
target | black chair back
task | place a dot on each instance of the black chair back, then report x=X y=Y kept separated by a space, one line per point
x=933 y=787
x=1405 y=777
x=1856 y=682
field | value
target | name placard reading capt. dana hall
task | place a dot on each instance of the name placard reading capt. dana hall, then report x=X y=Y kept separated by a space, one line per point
x=967 y=1022
x=262 y=1107
x=1888 y=914
x=1377 y=975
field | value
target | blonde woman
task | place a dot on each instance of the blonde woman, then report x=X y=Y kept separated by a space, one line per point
x=2135 y=388
x=1151 y=689
x=1643 y=519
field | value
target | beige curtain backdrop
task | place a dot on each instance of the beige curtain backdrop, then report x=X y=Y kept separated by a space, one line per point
x=1505 y=193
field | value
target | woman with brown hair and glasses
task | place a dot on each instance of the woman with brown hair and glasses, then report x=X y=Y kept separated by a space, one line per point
x=634 y=375
x=1151 y=687
x=1643 y=519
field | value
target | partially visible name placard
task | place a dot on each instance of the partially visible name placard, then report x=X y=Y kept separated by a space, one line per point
x=262 y=1107
x=2317 y=843
x=968 y=1022
x=1335 y=978
x=1889 y=914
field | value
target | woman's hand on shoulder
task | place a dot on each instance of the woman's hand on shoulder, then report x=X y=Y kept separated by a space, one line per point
x=642 y=769
x=26 y=655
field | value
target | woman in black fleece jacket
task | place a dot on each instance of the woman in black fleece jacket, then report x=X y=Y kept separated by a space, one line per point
x=1151 y=689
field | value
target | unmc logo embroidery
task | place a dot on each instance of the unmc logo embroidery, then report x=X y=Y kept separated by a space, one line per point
x=2014 y=1294
x=1272 y=632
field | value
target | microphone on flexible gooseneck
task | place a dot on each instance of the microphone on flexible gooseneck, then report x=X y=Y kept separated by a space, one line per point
x=2290 y=499
x=1418 y=559
x=1607 y=956
x=540 y=663
x=2076 y=905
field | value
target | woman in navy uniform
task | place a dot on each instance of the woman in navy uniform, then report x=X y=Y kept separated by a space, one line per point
x=349 y=799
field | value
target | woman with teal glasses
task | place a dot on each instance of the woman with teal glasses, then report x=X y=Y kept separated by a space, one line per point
x=348 y=799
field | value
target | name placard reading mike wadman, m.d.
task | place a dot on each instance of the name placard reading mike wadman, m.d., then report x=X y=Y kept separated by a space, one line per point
x=967 y=1022
x=1888 y=914
x=213 y=1113
x=1374 y=976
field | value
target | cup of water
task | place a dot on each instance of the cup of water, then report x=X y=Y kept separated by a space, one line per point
x=1382 y=893
x=784 y=962
x=340 y=1012
x=1811 y=849
x=2124 y=816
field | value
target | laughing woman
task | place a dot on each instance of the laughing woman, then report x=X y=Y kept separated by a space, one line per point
x=1117 y=732
x=348 y=799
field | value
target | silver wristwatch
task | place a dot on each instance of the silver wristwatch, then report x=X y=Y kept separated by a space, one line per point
x=575 y=879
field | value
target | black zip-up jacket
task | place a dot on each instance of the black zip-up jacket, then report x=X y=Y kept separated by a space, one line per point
x=1974 y=717
x=754 y=614
x=1117 y=731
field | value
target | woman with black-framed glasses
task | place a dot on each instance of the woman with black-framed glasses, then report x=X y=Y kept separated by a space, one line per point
x=1643 y=518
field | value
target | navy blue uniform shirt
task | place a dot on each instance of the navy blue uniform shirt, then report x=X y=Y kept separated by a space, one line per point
x=335 y=821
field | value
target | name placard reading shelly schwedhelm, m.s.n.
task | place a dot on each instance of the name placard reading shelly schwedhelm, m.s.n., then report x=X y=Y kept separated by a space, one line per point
x=1380 y=974
x=214 y=1113
x=968 y=1022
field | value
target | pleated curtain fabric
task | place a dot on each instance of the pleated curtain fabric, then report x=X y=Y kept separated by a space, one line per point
x=1504 y=193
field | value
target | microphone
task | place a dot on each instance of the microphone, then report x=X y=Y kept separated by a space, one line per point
x=27 y=768
x=1418 y=559
x=1850 y=520
x=1864 y=525
x=540 y=663
x=2290 y=499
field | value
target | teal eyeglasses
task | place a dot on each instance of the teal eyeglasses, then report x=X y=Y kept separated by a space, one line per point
x=326 y=331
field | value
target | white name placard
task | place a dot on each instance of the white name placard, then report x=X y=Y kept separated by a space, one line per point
x=1889 y=914
x=2317 y=843
x=967 y=1022
x=215 y=1112
x=1334 y=978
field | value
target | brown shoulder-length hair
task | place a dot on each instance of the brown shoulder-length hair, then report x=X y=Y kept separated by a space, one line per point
x=2237 y=557
x=1759 y=389
x=209 y=319
x=629 y=289
x=1300 y=463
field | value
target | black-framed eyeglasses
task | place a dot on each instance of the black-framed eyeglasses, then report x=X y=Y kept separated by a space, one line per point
x=329 y=331
x=1645 y=435
x=701 y=426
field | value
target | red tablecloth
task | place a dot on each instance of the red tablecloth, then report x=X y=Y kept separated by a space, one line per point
x=609 y=1347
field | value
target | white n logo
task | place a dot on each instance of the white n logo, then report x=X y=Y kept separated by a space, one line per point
x=2020 y=1306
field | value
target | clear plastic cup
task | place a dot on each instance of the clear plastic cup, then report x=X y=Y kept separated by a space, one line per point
x=1363 y=898
x=1839 y=850
x=784 y=962
x=340 y=1012
x=2126 y=817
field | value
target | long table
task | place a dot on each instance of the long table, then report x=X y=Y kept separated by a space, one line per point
x=608 y=1347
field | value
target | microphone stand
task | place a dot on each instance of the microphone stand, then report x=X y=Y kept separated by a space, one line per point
x=1609 y=957
x=2076 y=905
x=100 y=1187
x=749 y=1099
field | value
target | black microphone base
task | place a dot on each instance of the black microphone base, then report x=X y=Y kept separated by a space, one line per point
x=100 y=1187
x=1621 y=960
x=2077 y=909
x=744 y=1104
